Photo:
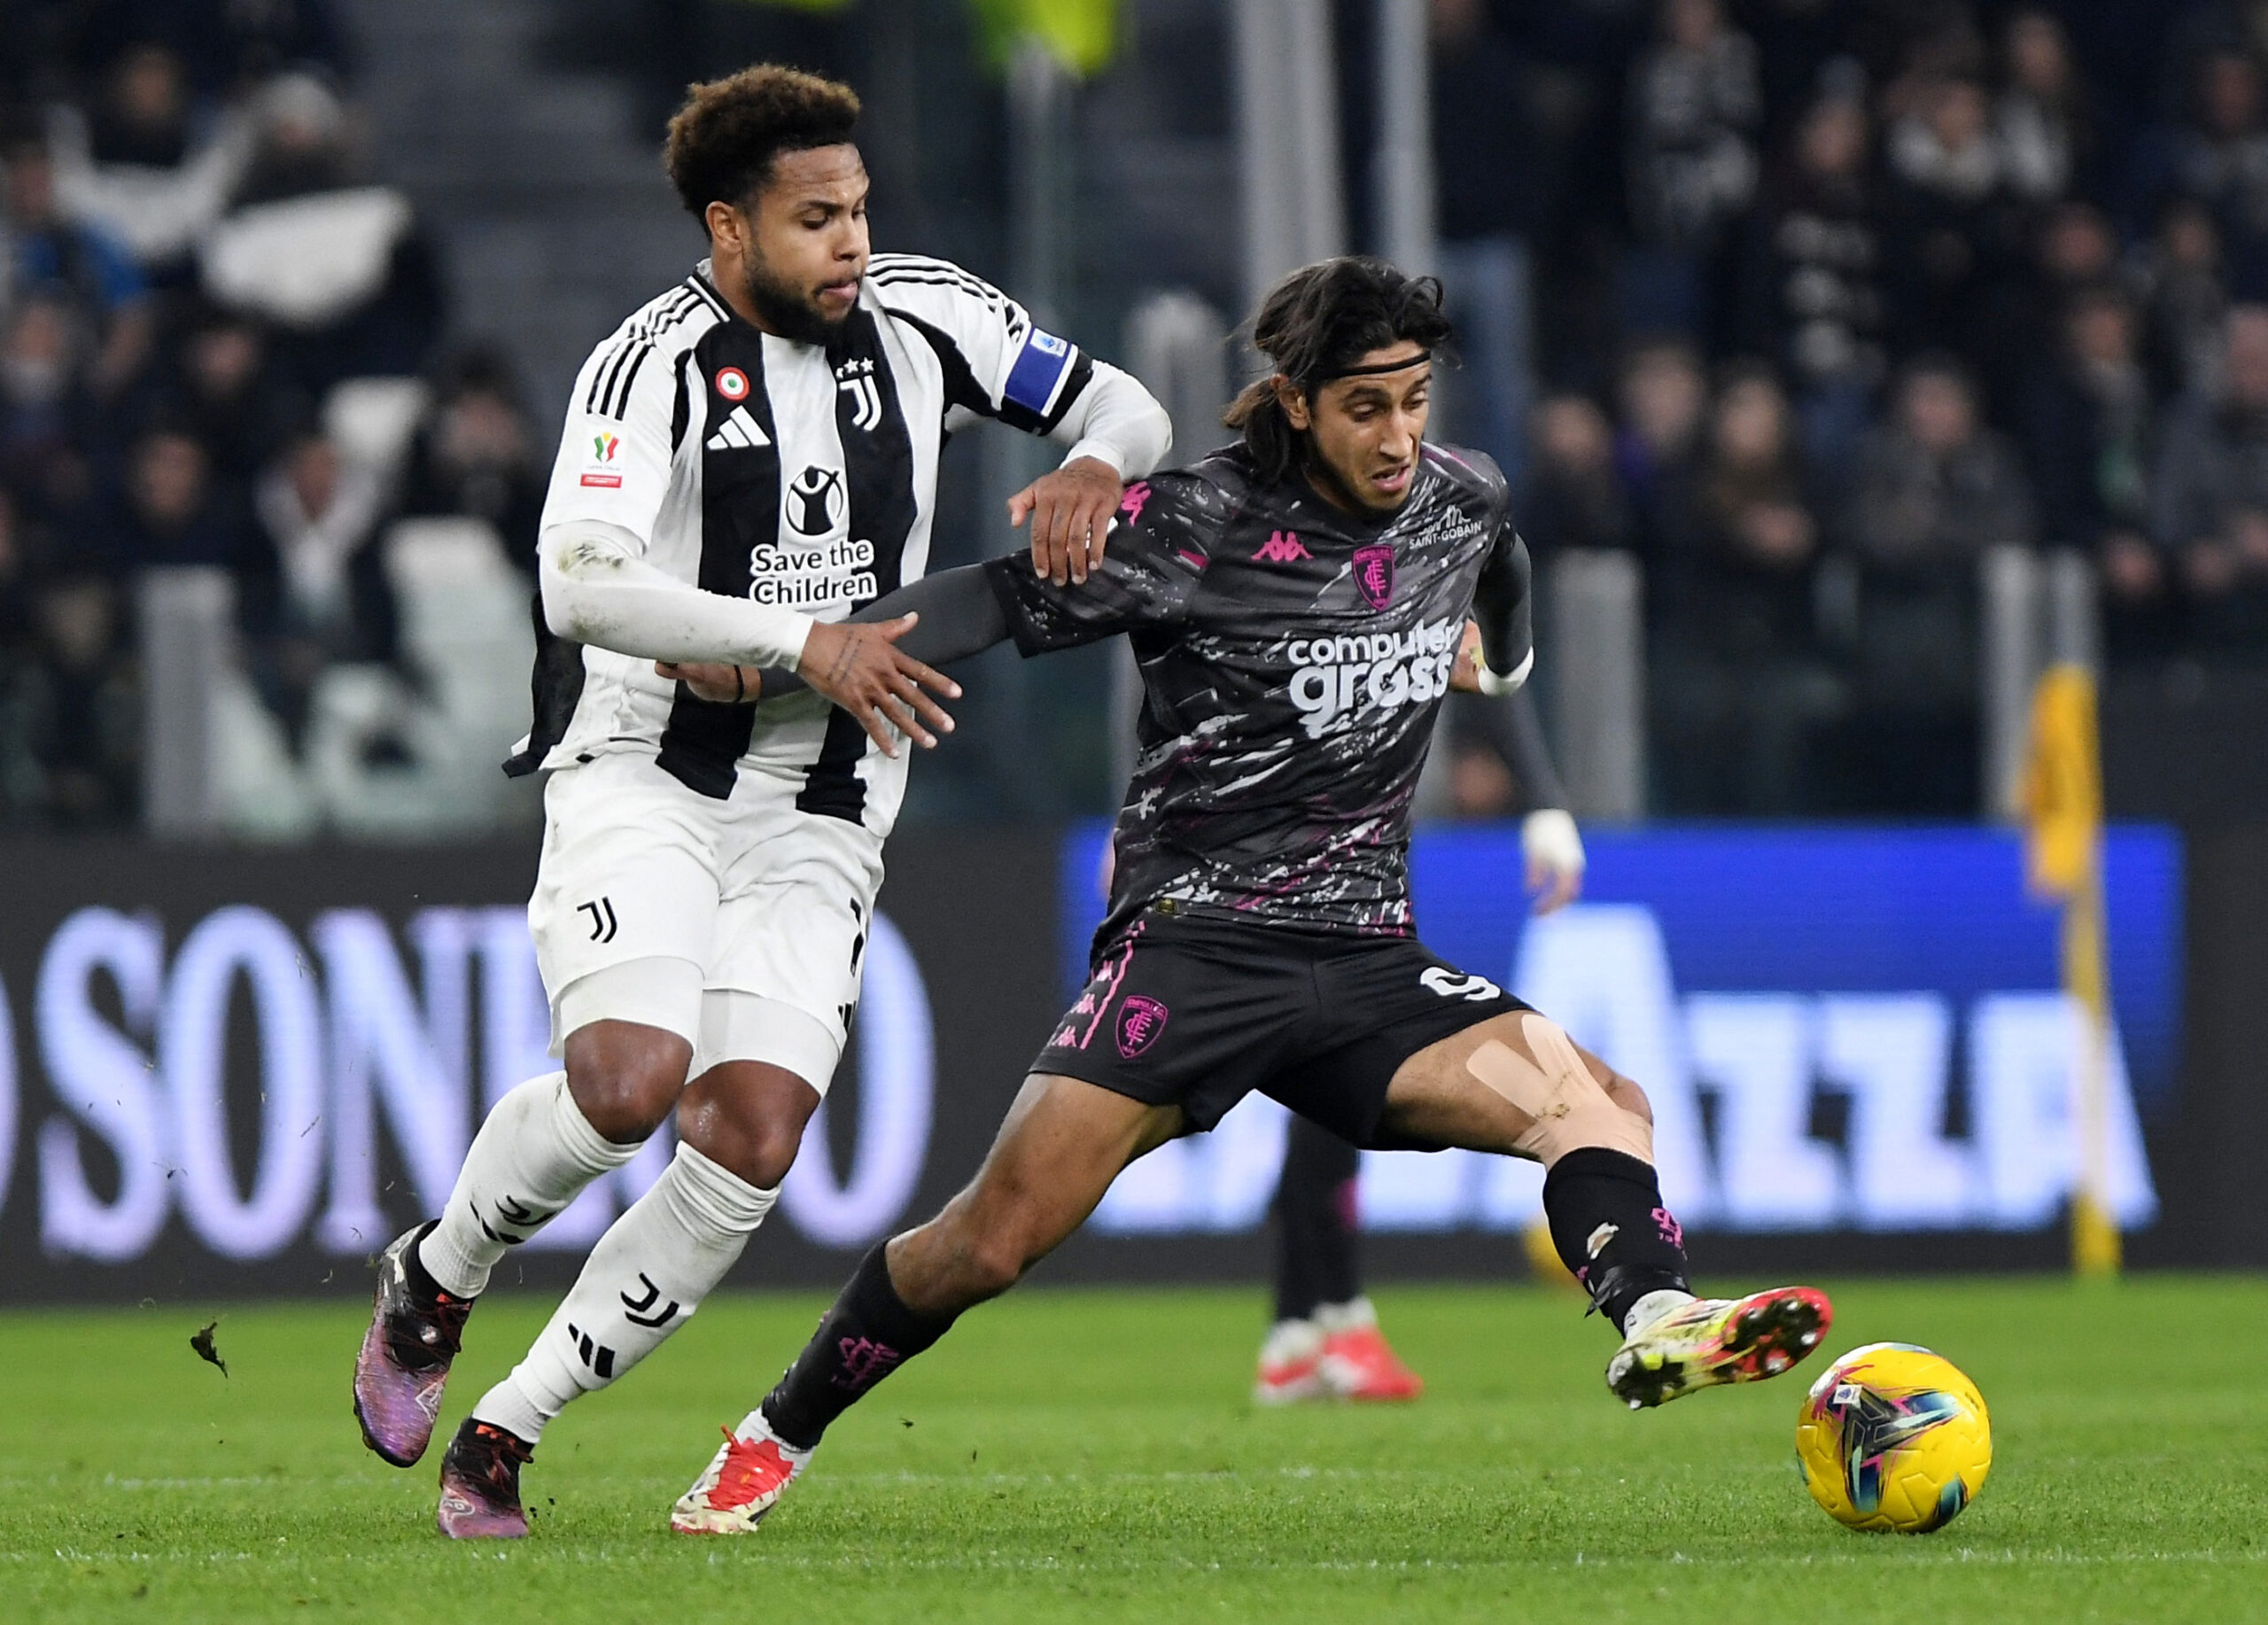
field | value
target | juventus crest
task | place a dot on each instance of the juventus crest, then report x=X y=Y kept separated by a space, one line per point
x=855 y=378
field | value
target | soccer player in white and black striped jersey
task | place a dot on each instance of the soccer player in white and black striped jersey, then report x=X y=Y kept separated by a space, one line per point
x=750 y=457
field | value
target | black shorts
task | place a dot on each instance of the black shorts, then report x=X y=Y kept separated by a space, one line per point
x=1198 y=1012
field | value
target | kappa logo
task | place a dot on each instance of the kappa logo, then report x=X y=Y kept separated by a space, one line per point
x=739 y=432
x=1374 y=574
x=1281 y=547
x=856 y=379
x=1140 y=1020
x=816 y=502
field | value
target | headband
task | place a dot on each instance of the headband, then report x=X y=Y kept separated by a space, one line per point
x=1365 y=372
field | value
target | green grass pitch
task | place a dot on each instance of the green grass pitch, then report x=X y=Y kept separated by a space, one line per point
x=1083 y=1455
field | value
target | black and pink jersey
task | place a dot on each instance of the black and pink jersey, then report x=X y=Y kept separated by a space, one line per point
x=1292 y=655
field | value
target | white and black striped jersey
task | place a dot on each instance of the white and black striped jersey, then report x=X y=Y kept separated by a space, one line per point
x=797 y=475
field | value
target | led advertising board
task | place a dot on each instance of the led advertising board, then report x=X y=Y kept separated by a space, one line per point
x=1839 y=1027
x=243 y=1072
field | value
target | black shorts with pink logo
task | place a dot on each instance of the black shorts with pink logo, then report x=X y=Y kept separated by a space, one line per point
x=1197 y=1012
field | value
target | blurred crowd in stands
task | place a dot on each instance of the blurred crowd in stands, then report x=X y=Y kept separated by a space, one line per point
x=1806 y=303
x=200 y=280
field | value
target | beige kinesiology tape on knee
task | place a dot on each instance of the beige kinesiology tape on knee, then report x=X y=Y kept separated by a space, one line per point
x=1557 y=1089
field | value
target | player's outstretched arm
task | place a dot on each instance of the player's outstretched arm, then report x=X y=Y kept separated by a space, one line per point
x=932 y=622
x=1070 y=512
x=1117 y=431
x=598 y=590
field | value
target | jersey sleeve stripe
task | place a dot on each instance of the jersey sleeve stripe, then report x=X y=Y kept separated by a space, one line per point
x=618 y=403
x=600 y=369
x=605 y=407
x=916 y=262
x=648 y=327
x=959 y=281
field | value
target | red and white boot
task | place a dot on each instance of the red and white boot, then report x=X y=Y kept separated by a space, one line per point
x=744 y=1480
x=1340 y=1353
x=1358 y=1362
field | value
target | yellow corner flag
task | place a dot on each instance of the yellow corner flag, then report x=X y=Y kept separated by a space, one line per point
x=2063 y=860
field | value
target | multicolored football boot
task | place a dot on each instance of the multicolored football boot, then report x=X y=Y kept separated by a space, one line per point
x=1710 y=1341
x=480 y=1483
x=745 y=1479
x=404 y=1363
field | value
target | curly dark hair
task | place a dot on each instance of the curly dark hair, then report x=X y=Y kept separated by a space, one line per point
x=1319 y=321
x=722 y=140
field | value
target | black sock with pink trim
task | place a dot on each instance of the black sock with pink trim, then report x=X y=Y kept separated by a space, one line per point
x=1611 y=1228
x=868 y=1334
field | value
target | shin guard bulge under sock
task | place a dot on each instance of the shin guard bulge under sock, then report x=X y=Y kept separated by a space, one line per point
x=1611 y=1229
x=641 y=1282
x=532 y=1156
x=867 y=1333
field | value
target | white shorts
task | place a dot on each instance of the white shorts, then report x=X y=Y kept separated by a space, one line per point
x=739 y=925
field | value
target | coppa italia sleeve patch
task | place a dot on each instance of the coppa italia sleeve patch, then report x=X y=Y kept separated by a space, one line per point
x=1038 y=373
x=602 y=457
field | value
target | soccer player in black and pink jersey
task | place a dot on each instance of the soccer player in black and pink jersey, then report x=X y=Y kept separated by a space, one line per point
x=1325 y=1343
x=1299 y=605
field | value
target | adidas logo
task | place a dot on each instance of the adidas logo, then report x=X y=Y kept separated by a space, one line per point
x=738 y=430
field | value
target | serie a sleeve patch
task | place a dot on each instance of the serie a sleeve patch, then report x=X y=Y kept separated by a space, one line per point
x=1038 y=373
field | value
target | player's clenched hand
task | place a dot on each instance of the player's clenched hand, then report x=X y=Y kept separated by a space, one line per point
x=717 y=681
x=861 y=669
x=1070 y=512
x=1464 y=675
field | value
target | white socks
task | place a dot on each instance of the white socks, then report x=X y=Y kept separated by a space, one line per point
x=1291 y=1340
x=531 y=1157
x=643 y=1281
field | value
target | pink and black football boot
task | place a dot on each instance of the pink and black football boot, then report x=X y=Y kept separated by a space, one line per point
x=480 y=1483
x=415 y=1329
